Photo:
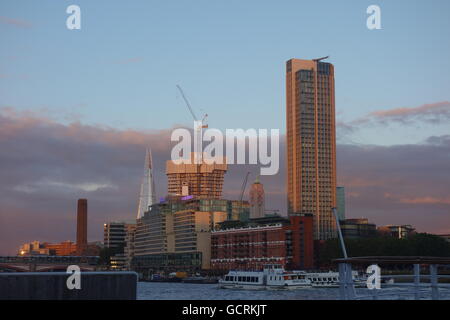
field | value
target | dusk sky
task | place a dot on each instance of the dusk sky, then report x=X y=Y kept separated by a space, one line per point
x=79 y=107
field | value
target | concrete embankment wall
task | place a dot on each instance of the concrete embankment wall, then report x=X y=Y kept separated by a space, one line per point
x=53 y=286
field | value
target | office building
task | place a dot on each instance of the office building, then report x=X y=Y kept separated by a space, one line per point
x=311 y=143
x=175 y=235
x=115 y=237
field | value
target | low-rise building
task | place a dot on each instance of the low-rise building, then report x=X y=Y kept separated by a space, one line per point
x=33 y=249
x=65 y=248
x=358 y=228
x=396 y=231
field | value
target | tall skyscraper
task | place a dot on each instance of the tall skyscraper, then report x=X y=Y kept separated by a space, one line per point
x=147 y=196
x=257 y=201
x=202 y=180
x=311 y=142
x=81 y=226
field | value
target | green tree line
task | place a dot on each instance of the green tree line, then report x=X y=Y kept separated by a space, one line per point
x=419 y=244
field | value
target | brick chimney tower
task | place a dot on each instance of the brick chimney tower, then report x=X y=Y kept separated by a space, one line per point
x=81 y=226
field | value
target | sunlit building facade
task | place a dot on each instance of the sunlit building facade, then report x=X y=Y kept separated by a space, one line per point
x=311 y=143
x=202 y=180
x=261 y=241
x=176 y=234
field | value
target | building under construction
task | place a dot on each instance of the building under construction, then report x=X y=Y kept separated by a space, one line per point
x=201 y=180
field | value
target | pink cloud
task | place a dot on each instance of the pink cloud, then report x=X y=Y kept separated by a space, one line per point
x=434 y=113
x=425 y=200
x=15 y=22
x=429 y=112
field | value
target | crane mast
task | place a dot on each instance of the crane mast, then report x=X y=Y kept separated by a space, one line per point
x=244 y=184
x=199 y=125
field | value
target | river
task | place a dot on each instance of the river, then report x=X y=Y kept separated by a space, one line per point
x=190 y=291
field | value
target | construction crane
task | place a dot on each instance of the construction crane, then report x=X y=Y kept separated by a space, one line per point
x=198 y=127
x=244 y=184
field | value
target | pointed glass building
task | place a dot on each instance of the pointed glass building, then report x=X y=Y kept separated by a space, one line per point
x=147 y=197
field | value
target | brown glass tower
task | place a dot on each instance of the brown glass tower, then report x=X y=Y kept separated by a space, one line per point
x=81 y=226
x=311 y=143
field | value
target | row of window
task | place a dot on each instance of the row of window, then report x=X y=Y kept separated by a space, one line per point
x=242 y=279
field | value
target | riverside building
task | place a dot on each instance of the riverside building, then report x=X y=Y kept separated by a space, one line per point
x=261 y=241
x=175 y=235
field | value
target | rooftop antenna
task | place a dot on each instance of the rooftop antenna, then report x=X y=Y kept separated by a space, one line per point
x=320 y=59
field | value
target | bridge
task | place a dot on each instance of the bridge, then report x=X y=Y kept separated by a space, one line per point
x=46 y=263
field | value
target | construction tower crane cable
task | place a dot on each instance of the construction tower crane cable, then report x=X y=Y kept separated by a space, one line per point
x=198 y=129
x=187 y=103
x=244 y=184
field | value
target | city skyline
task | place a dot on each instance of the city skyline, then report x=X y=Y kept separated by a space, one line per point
x=75 y=130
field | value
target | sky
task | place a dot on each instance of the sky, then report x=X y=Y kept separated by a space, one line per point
x=79 y=107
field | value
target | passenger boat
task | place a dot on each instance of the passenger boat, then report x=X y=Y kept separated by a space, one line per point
x=331 y=279
x=275 y=277
x=272 y=277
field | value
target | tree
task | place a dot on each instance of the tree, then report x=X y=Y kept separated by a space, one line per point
x=419 y=244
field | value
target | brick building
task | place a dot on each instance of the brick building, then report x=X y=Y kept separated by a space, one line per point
x=286 y=241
